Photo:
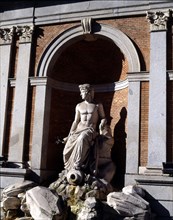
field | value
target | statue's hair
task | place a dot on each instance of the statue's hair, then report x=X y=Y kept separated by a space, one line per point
x=86 y=86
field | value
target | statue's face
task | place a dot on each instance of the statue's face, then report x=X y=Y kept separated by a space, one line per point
x=84 y=94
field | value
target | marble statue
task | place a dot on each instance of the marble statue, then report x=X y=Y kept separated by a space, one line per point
x=83 y=130
x=89 y=143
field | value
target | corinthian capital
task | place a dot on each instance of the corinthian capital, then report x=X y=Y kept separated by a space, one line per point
x=6 y=34
x=158 y=20
x=25 y=33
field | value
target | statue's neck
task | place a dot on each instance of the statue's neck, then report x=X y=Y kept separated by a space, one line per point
x=87 y=101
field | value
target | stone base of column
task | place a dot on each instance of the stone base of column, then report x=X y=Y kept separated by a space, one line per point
x=12 y=164
x=10 y=176
x=158 y=192
x=2 y=161
x=154 y=171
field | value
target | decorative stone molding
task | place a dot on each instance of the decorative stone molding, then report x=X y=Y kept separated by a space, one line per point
x=138 y=76
x=71 y=35
x=158 y=20
x=170 y=75
x=38 y=81
x=6 y=34
x=25 y=33
x=71 y=87
x=86 y=25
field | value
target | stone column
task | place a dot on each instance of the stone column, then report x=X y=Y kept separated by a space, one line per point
x=157 y=89
x=17 y=136
x=6 y=41
x=40 y=126
x=132 y=154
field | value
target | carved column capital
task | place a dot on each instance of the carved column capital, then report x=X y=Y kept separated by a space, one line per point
x=6 y=34
x=158 y=20
x=25 y=33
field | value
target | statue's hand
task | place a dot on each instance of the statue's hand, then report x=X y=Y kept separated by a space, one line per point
x=65 y=140
x=102 y=124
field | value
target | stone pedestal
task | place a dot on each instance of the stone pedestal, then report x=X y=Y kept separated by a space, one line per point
x=12 y=175
x=159 y=193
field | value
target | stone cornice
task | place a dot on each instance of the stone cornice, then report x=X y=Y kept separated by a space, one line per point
x=53 y=12
x=138 y=76
x=158 y=20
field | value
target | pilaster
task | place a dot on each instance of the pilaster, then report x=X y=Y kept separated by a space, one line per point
x=16 y=146
x=40 y=125
x=6 y=42
x=132 y=152
x=157 y=90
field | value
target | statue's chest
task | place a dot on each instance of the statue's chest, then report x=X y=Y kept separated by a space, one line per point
x=88 y=109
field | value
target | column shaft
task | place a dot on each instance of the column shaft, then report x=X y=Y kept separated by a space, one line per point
x=157 y=100
x=132 y=154
x=17 y=136
x=41 y=127
x=5 y=52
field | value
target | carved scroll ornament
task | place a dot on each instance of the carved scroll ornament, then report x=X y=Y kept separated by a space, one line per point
x=6 y=34
x=158 y=19
x=24 y=33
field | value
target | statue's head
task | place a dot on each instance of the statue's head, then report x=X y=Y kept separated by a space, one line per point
x=86 y=89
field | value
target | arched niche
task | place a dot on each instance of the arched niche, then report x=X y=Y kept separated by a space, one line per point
x=63 y=93
x=75 y=34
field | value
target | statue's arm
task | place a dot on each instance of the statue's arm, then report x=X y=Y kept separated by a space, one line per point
x=102 y=117
x=76 y=120
x=74 y=124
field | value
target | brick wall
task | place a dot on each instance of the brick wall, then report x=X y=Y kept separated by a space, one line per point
x=43 y=36
x=137 y=29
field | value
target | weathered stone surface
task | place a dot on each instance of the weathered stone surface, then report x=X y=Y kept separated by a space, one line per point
x=11 y=214
x=130 y=204
x=131 y=189
x=25 y=218
x=42 y=203
x=15 y=189
x=88 y=212
x=11 y=203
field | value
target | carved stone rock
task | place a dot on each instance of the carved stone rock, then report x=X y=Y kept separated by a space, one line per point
x=130 y=204
x=11 y=203
x=42 y=203
x=15 y=189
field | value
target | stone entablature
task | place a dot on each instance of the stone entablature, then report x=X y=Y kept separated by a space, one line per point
x=158 y=20
x=57 y=13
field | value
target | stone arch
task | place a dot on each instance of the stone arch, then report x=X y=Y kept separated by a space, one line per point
x=73 y=34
